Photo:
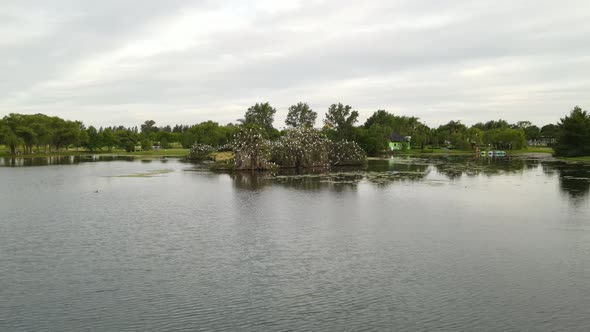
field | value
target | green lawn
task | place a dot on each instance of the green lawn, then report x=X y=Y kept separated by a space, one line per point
x=531 y=149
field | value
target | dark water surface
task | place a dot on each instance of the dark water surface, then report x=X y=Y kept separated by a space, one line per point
x=407 y=245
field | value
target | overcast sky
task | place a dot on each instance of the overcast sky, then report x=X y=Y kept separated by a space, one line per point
x=122 y=62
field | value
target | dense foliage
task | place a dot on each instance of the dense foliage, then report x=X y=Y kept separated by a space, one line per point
x=298 y=146
x=39 y=131
x=301 y=147
x=251 y=150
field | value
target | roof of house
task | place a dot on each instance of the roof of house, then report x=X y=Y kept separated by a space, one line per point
x=395 y=137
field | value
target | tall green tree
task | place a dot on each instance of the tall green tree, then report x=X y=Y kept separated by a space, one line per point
x=574 y=138
x=148 y=126
x=341 y=118
x=94 y=139
x=9 y=138
x=109 y=139
x=301 y=115
x=261 y=115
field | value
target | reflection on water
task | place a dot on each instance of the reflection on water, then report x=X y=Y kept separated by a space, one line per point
x=574 y=179
x=64 y=160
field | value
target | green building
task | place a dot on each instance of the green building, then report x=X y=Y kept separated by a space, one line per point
x=398 y=142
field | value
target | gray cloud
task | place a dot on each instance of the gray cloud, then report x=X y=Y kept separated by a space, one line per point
x=122 y=62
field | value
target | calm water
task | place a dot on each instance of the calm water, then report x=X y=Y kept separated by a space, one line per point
x=432 y=245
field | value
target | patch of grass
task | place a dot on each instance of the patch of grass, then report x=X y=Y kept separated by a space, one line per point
x=222 y=156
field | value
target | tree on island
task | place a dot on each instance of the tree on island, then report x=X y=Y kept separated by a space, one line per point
x=262 y=116
x=341 y=119
x=574 y=136
x=301 y=115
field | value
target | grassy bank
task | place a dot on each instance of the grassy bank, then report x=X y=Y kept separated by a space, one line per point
x=445 y=152
x=171 y=153
x=585 y=159
x=430 y=152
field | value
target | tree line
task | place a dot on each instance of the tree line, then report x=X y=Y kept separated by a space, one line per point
x=41 y=133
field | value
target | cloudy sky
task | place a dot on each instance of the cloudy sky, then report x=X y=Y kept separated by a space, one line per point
x=122 y=62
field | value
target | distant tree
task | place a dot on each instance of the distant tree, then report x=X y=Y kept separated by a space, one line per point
x=505 y=138
x=94 y=139
x=574 y=138
x=301 y=115
x=492 y=125
x=109 y=139
x=531 y=131
x=8 y=137
x=148 y=126
x=373 y=140
x=550 y=131
x=146 y=144
x=453 y=134
x=381 y=118
x=475 y=135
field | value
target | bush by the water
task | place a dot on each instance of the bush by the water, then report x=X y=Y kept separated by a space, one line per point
x=200 y=151
x=301 y=148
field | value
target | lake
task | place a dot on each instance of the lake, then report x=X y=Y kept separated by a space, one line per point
x=441 y=244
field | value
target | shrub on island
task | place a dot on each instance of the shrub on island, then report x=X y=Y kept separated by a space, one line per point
x=301 y=148
x=251 y=150
x=200 y=152
x=297 y=148
x=346 y=153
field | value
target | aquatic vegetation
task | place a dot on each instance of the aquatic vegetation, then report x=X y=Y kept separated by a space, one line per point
x=148 y=174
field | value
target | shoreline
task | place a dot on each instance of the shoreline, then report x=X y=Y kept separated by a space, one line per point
x=540 y=153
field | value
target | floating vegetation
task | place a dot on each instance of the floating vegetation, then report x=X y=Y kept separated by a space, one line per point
x=148 y=174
